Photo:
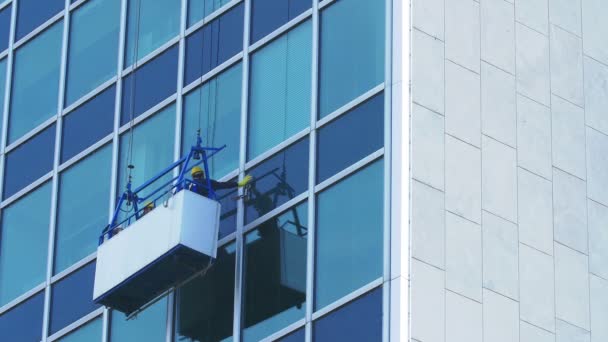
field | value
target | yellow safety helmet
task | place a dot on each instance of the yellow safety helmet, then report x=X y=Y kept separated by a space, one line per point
x=196 y=170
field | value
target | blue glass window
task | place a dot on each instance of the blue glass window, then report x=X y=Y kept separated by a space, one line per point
x=72 y=298
x=36 y=71
x=214 y=44
x=205 y=306
x=275 y=274
x=277 y=180
x=5 y=27
x=24 y=323
x=24 y=243
x=90 y=332
x=351 y=137
x=349 y=235
x=199 y=9
x=82 y=214
x=297 y=336
x=33 y=13
x=268 y=15
x=352 y=51
x=215 y=108
x=2 y=85
x=30 y=161
x=93 y=41
x=360 y=320
x=280 y=90
x=150 y=325
x=153 y=82
x=88 y=124
x=158 y=23
x=228 y=216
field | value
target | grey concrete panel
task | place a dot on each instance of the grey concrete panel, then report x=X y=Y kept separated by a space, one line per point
x=566 y=14
x=567 y=65
x=597 y=166
x=571 y=286
x=596 y=94
x=533 y=13
x=595 y=29
x=500 y=318
x=462 y=103
x=533 y=136
x=428 y=71
x=463 y=181
x=428 y=16
x=462 y=33
x=570 y=210
x=500 y=256
x=498 y=34
x=499 y=179
x=568 y=137
x=498 y=104
x=463 y=257
x=599 y=309
x=530 y=333
x=566 y=332
x=427 y=147
x=598 y=238
x=535 y=211
x=537 y=304
x=533 y=69
x=463 y=319
x=427 y=302
x=428 y=224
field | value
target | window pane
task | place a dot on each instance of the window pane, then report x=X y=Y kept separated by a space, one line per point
x=36 y=71
x=275 y=274
x=2 y=85
x=214 y=44
x=277 y=180
x=29 y=161
x=360 y=320
x=82 y=214
x=205 y=306
x=88 y=124
x=91 y=332
x=352 y=51
x=150 y=325
x=93 y=41
x=351 y=137
x=24 y=243
x=218 y=114
x=199 y=9
x=268 y=15
x=154 y=81
x=297 y=336
x=24 y=323
x=72 y=298
x=158 y=23
x=5 y=27
x=349 y=235
x=227 y=198
x=33 y=13
x=280 y=90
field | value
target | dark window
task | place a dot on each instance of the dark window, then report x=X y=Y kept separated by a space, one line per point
x=33 y=13
x=154 y=81
x=214 y=44
x=228 y=215
x=360 y=320
x=30 y=161
x=268 y=15
x=24 y=323
x=88 y=124
x=277 y=180
x=72 y=298
x=297 y=336
x=5 y=26
x=351 y=137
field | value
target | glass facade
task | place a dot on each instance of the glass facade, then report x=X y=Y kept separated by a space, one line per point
x=96 y=85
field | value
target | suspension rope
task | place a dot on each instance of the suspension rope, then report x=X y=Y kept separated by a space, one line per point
x=130 y=166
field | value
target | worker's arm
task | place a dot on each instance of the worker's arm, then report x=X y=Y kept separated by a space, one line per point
x=230 y=184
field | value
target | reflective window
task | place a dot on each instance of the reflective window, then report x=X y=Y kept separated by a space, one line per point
x=297 y=336
x=152 y=83
x=82 y=214
x=275 y=274
x=2 y=86
x=268 y=15
x=279 y=104
x=349 y=235
x=33 y=13
x=351 y=137
x=277 y=180
x=214 y=44
x=5 y=27
x=88 y=124
x=72 y=298
x=215 y=109
x=90 y=332
x=24 y=243
x=24 y=323
x=36 y=71
x=30 y=161
x=227 y=198
x=150 y=325
x=360 y=320
x=93 y=41
x=199 y=9
x=154 y=21
x=205 y=305
x=352 y=51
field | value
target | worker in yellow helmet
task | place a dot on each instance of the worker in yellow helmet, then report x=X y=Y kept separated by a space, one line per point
x=199 y=182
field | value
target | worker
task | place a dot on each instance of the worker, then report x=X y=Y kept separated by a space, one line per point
x=148 y=208
x=199 y=182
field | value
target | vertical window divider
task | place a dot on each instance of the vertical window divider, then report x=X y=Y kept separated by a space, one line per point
x=7 y=95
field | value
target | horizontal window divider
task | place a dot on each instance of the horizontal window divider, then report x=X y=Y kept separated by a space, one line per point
x=31 y=133
x=77 y=324
x=39 y=29
x=86 y=152
x=348 y=298
x=350 y=170
x=77 y=4
x=325 y=3
x=285 y=331
x=105 y=85
x=271 y=152
x=213 y=72
x=160 y=106
x=27 y=189
x=75 y=267
x=276 y=211
x=226 y=239
x=166 y=46
x=24 y=297
x=4 y=54
x=212 y=16
x=279 y=31
x=349 y=106
x=4 y=4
